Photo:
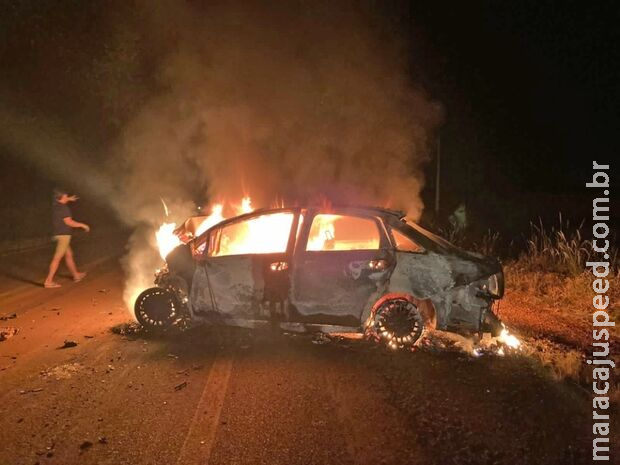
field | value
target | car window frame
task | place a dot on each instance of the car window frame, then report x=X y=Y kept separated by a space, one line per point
x=309 y=216
x=391 y=230
x=209 y=235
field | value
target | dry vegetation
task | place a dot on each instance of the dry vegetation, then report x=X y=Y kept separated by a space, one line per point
x=549 y=289
x=548 y=300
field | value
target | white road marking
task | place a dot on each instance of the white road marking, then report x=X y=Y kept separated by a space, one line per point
x=200 y=436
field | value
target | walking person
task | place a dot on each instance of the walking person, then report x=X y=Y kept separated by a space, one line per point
x=63 y=224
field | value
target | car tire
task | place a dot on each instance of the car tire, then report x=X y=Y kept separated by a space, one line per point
x=398 y=323
x=156 y=309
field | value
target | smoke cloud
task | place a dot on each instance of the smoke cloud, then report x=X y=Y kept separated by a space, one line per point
x=294 y=101
x=194 y=103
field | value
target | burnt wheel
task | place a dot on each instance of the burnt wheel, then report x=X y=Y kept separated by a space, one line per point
x=398 y=323
x=156 y=309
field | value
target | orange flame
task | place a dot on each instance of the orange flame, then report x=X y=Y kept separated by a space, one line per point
x=214 y=218
x=166 y=239
x=269 y=233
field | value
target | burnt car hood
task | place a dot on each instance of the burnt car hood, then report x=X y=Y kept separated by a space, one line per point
x=468 y=267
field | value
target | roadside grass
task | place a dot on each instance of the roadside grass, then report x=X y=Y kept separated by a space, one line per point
x=548 y=299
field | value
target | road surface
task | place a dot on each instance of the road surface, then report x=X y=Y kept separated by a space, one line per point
x=230 y=397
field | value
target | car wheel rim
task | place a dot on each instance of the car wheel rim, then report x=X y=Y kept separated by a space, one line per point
x=155 y=308
x=399 y=323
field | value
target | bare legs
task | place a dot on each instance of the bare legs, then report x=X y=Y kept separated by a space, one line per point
x=49 y=281
x=71 y=263
x=63 y=249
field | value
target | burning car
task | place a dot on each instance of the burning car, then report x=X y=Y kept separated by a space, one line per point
x=336 y=269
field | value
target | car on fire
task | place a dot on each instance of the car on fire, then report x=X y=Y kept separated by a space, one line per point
x=315 y=269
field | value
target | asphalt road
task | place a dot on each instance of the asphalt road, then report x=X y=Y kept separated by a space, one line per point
x=216 y=396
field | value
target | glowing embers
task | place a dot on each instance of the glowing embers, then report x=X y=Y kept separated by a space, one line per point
x=338 y=232
x=399 y=323
x=510 y=340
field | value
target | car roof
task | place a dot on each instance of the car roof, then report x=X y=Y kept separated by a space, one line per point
x=376 y=211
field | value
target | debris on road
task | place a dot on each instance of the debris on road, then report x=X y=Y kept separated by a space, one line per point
x=64 y=371
x=320 y=338
x=27 y=391
x=7 y=332
x=102 y=440
x=68 y=343
x=178 y=387
x=10 y=316
x=125 y=329
x=86 y=445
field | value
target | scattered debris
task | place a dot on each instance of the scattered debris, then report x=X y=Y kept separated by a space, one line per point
x=125 y=329
x=64 y=371
x=87 y=336
x=86 y=445
x=173 y=356
x=27 y=391
x=178 y=387
x=320 y=338
x=68 y=343
x=7 y=332
x=104 y=291
x=10 y=316
x=102 y=440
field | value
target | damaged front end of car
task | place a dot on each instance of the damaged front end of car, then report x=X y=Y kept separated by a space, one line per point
x=166 y=305
x=472 y=307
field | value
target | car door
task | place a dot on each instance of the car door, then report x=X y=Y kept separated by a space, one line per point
x=341 y=262
x=244 y=268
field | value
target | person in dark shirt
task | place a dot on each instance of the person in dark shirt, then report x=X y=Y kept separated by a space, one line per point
x=63 y=224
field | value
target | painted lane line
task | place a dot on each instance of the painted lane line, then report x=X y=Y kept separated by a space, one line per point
x=200 y=436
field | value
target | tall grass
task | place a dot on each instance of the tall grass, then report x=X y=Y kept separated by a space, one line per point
x=559 y=249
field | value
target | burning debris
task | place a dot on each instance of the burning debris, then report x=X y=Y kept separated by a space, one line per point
x=126 y=329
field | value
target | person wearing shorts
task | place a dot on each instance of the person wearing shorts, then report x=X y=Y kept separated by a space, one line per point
x=63 y=225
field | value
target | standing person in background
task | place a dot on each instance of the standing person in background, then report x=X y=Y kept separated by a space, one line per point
x=63 y=224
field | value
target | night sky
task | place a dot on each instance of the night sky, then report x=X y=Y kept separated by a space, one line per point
x=529 y=89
